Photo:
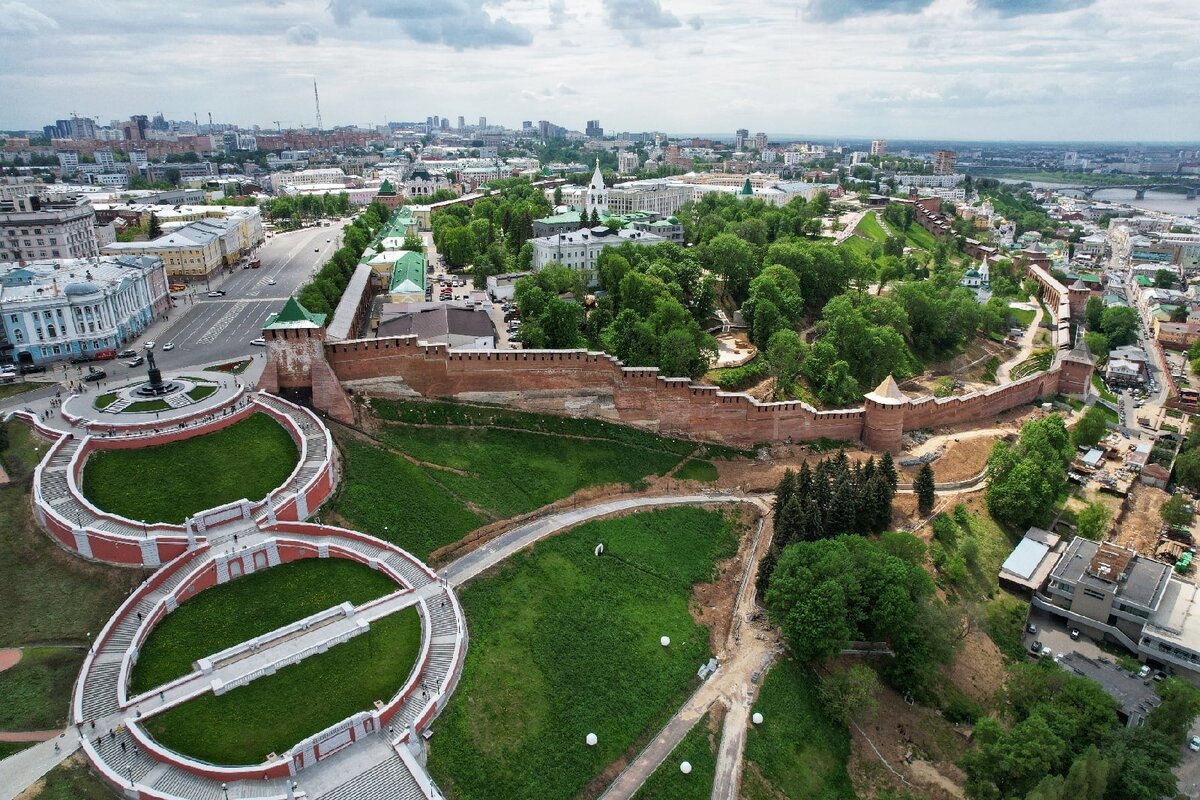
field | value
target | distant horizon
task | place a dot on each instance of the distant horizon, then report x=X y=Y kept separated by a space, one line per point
x=955 y=71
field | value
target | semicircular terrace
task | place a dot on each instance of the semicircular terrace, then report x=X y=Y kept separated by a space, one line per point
x=366 y=755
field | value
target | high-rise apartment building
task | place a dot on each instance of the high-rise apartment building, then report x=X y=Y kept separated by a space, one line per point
x=943 y=162
x=739 y=139
x=483 y=122
x=760 y=141
x=879 y=147
x=462 y=122
x=593 y=129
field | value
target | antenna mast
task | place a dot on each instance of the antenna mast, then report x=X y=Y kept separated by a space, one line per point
x=317 y=97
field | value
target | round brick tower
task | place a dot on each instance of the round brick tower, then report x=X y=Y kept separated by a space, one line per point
x=883 y=417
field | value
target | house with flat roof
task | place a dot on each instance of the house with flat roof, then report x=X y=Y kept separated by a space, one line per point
x=1030 y=562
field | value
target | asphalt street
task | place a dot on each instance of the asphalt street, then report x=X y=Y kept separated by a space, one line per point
x=206 y=329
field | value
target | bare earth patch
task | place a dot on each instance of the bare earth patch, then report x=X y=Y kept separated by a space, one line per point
x=978 y=667
x=1138 y=526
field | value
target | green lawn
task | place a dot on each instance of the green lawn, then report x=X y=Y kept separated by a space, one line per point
x=143 y=406
x=698 y=748
x=72 y=780
x=916 y=236
x=8 y=390
x=859 y=245
x=512 y=472
x=201 y=392
x=565 y=643
x=389 y=497
x=797 y=751
x=48 y=594
x=241 y=609
x=170 y=482
x=1022 y=316
x=105 y=400
x=12 y=748
x=1103 y=391
x=697 y=470
x=870 y=228
x=273 y=713
x=37 y=691
x=496 y=463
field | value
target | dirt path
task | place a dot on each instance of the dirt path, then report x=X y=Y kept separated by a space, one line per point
x=1002 y=372
x=9 y=657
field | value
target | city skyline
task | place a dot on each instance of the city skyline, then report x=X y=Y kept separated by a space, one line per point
x=944 y=70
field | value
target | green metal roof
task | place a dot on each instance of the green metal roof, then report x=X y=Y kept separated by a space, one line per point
x=408 y=273
x=293 y=315
x=560 y=219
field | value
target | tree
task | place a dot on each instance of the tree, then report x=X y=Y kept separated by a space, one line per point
x=1092 y=523
x=1187 y=469
x=557 y=195
x=154 y=229
x=1025 y=479
x=1164 y=279
x=1097 y=343
x=413 y=242
x=850 y=693
x=1093 y=312
x=1119 y=324
x=785 y=352
x=1180 y=705
x=1176 y=511
x=1091 y=428
x=924 y=487
x=733 y=260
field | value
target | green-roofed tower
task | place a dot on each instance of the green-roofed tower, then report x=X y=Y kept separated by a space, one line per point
x=293 y=316
x=747 y=189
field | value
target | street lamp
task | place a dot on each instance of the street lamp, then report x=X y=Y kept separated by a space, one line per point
x=225 y=789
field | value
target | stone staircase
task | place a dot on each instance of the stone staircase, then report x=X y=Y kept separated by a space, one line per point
x=315 y=442
x=388 y=780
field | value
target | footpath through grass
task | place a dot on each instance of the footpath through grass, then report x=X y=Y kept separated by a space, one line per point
x=869 y=227
x=36 y=692
x=250 y=606
x=48 y=594
x=171 y=482
x=698 y=748
x=798 y=750
x=273 y=713
x=565 y=643
x=485 y=463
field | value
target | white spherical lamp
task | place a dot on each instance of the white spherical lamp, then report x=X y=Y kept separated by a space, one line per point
x=665 y=641
x=591 y=740
x=686 y=768
x=757 y=718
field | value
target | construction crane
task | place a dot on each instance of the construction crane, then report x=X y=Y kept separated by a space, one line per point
x=317 y=98
x=277 y=128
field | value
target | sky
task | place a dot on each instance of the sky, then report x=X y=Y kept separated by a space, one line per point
x=1048 y=70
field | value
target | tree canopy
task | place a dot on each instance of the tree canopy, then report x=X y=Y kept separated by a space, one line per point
x=1025 y=478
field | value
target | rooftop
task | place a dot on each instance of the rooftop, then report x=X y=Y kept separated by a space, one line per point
x=439 y=322
x=1136 y=580
x=293 y=315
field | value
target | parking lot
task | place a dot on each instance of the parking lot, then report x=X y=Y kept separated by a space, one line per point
x=1136 y=695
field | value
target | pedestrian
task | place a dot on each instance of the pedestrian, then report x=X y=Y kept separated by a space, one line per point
x=123 y=747
x=56 y=747
x=93 y=724
x=112 y=734
x=139 y=616
x=162 y=696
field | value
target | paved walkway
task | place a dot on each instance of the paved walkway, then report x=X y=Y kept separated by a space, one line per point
x=1002 y=371
x=18 y=772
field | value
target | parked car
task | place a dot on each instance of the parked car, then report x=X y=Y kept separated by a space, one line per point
x=1194 y=744
x=1075 y=634
x=1031 y=628
x=1035 y=648
x=128 y=352
x=81 y=359
x=271 y=282
x=168 y=346
x=1144 y=671
x=29 y=369
x=260 y=342
x=136 y=362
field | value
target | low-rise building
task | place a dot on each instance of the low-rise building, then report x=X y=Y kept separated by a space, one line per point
x=408 y=277
x=501 y=287
x=78 y=308
x=579 y=249
x=453 y=326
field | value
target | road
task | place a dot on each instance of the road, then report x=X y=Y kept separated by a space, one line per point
x=206 y=330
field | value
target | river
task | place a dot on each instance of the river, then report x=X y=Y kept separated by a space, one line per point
x=1155 y=201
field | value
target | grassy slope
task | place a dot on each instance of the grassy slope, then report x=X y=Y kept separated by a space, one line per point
x=498 y=463
x=234 y=612
x=170 y=482
x=8 y=390
x=37 y=690
x=275 y=712
x=72 y=780
x=797 y=750
x=47 y=594
x=869 y=227
x=698 y=748
x=696 y=470
x=565 y=644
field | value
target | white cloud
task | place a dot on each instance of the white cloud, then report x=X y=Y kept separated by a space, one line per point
x=461 y=24
x=303 y=34
x=18 y=19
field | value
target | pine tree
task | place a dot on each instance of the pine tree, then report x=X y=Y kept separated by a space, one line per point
x=841 y=463
x=868 y=470
x=888 y=467
x=785 y=490
x=789 y=523
x=765 y=568
x=153 y=228
x=841 y=511
x=924 y=487
x=814 y=523
x=804 y=481
x=880 y=503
